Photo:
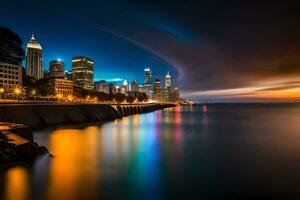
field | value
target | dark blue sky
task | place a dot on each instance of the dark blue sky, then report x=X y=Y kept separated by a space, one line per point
x=63 y=31
x=214 y=49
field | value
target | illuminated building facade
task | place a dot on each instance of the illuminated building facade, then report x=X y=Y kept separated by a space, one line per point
x=167 y=96
x=113 y=88
x=147 y=84
x=157 y=91
x=102 y=86
x=175 y=95
x=141 y=88
x=60 y=86
x=83 y=72
x=56 y=68
x=34 y=59
x=134 y=86
x=124 y=87
x=10 y=75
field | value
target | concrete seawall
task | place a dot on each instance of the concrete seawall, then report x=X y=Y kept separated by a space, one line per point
x=42 y=115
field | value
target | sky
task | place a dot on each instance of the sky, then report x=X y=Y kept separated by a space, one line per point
x=216 y=51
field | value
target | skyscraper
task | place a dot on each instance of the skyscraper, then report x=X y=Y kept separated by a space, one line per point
x=56 y=68
x=102 y=86
x=157 y=91
x=83 y=72
x=34 y=59
x=147 y=76
x=147 y=83
x=168 y=87
x=175 y=95
x=134 y=86
x=124 y=88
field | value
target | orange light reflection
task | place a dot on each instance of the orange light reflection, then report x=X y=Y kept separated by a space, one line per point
x=17 y=184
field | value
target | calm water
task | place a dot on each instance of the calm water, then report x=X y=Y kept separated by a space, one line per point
x=224 y=150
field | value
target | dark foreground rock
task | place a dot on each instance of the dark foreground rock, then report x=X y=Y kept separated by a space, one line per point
x=17 y=145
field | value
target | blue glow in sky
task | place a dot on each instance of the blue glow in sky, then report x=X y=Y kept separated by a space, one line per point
x=71 y=34
x=208 y=46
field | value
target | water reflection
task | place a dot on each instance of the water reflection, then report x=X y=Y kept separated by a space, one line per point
x=169 y=153
x=76 y=156
x=17 y=184
x=86 y=162
x=178 y=136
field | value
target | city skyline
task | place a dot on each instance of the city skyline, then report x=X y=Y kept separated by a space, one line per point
x=195 y=99
x=46 y=66
x=76 y=85
x=221 y=51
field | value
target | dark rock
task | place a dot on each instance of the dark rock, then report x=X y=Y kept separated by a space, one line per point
x=27 y=150
x=14 y=147
x=42 y=150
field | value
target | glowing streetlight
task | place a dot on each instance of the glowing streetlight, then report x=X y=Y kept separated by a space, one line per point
x=70 y=98
x=17 y=92
x=1 y=92
x=59 y=96
x=33 y=93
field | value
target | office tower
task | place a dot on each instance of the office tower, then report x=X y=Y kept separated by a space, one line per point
x=60 y=86
x=124 y=87
x=147 y=76
x=56 y=68
x=102 y=86
x=134 y=86
x=34 y=59
x=147 y=83
x=175 y=95
x=141 y=88
x=83 y=72
x=157 y=91
x=10 y=75
x=167 y=96
x=112 y=88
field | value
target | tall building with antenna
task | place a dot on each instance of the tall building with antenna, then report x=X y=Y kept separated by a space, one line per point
x=167 y=95
x=34 y=59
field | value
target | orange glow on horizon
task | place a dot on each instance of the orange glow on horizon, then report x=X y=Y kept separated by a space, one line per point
x=282 y=89
x=287 y=94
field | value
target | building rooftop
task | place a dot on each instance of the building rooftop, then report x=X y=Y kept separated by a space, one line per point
x=33 y=43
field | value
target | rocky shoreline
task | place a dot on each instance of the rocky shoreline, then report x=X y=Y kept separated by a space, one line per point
x=17 y=144
x=16 y=138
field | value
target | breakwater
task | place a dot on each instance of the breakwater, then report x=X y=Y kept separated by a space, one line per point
x=42 y=115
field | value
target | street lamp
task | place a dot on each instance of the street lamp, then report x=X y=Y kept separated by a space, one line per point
x=17 y=93
x=33 y=93
x=1 y=92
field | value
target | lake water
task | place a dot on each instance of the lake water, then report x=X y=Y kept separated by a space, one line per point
x=213 y=151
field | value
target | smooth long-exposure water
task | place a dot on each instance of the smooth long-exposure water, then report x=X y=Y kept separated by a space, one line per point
x=213 y=151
